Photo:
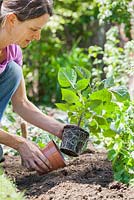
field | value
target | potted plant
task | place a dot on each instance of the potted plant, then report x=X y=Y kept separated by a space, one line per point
x=74 y=137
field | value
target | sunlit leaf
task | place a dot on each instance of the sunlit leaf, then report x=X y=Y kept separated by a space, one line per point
x=121 y=93
x=67 y=77
x=69 y=96
x=103 y=95
x=82 y=84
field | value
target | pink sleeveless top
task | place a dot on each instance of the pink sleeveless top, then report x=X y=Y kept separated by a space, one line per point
x=14 y=53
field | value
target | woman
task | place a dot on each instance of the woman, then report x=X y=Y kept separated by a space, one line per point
x=20 y=23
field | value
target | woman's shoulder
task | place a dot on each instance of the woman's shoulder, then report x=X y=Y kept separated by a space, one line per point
x=15 y=53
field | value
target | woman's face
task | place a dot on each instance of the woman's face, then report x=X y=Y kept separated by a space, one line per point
x=22 y=33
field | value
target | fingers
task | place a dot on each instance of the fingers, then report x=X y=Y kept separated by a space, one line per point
x=43 y=166
x=34 y=165
x=45 y=160
x=26 y=164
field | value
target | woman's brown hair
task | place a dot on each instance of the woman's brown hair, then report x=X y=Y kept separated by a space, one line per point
x=25 y=9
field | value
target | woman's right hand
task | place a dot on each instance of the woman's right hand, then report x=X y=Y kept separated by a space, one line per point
x=33 y=158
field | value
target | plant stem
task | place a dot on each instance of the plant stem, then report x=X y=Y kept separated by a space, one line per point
x=80 y=119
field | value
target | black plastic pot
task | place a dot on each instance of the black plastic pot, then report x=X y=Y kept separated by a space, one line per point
x=73 y=140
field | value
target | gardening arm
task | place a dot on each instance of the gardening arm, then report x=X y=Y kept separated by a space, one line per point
x=31 y=155
x=32 y=114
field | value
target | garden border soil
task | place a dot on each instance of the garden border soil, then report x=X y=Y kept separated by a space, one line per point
x=88 y=176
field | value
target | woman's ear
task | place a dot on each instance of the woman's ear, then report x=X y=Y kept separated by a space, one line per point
x=11 y=20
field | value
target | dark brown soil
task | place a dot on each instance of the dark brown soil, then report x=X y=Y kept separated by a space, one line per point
x=87 y=177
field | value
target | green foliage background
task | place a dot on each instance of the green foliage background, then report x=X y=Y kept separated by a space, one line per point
x=74 y=27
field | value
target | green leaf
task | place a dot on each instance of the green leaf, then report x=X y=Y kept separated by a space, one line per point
x=109 y=133
x=111 y=154
x=5 y=128
x=69 y=96
x=62 y=106
x=82 y=84
x=121 y=93
x=85 y=93
x=83 y=72
x=73 y=108
x=110 y=107
x=10 y=118
x=95 y=103
x=100 y=120
x=41 y=145
x=93 y=127
x=118 y=175
x=109 y=82
x=67 y=77
x=103 y=95
x=95 y=130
